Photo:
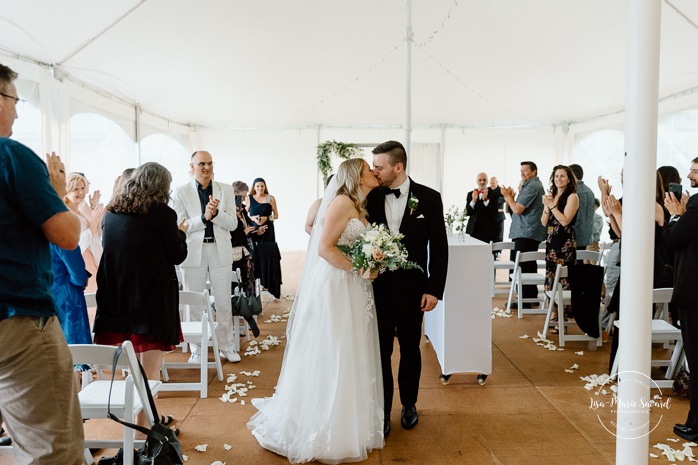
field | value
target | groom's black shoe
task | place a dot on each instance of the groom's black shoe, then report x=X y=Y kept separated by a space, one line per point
x=686 y=432
x=386 y=425
x=409 y=417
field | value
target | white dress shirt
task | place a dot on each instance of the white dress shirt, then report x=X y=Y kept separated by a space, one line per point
x=395 y=207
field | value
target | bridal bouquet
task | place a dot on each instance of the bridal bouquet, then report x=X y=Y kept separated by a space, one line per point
x=378 y=249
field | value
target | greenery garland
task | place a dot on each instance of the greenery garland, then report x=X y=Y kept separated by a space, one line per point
x=332 y=147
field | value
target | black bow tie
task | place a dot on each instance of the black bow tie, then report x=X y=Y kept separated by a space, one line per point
x=393 y=191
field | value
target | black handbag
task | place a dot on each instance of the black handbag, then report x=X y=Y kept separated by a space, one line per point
x=246 y=306
x=682 y=383
x=161 y=446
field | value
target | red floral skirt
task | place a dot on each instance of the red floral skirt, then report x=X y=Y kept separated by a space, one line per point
x=141 y=342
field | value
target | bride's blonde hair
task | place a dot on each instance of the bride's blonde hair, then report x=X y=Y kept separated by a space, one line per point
x=348 y=181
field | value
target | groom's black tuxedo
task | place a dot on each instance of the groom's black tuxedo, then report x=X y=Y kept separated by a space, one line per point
x=399 y=293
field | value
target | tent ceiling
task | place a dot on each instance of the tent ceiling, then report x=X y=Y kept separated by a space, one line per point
x=269 y=64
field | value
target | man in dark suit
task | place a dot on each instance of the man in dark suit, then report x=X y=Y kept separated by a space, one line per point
x=403 y=296
x=482 y=205
x=681 y=235
x=501 y=203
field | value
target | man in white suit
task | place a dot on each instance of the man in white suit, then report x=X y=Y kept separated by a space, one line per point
x=209 y=207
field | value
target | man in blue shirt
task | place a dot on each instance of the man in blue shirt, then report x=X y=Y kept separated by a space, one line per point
x=38 y=402
x=584 y=222
x=527 y=231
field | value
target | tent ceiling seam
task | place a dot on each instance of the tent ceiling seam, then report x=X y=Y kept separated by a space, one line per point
x=89 y=41
x=680 y=13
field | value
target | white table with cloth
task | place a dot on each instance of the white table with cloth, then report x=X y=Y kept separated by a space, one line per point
x=460 y=327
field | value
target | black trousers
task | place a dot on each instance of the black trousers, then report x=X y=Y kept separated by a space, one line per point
x=689 y=332
x=527 y=245
x=407 y=324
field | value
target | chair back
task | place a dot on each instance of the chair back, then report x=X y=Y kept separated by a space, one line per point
x=662 y=295
x=189 y=299
x=197 y=299
x=589 y=255
x=91 y=299
x=603 y=248
x=522 y=257
x=499 y=246
x=95 y=354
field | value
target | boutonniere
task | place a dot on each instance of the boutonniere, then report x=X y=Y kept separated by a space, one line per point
x=412 y=203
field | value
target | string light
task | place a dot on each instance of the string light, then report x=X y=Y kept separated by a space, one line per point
x=356 y=79
x=441 y=27
x=473 y=91
x=680 y=13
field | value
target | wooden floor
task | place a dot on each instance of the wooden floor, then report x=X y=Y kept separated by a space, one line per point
x=531 y=411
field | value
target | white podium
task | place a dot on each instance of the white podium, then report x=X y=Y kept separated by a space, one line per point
x=460 y=327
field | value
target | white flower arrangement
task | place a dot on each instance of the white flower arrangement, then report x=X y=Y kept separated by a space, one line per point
x=377 y=249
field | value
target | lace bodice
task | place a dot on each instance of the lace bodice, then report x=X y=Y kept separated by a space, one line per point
x=354 y=229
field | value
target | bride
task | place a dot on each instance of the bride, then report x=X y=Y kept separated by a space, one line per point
x=328 y=404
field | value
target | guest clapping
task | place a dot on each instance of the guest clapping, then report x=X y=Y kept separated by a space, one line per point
x=138 y=295
x=263 y=211
x=560 y=209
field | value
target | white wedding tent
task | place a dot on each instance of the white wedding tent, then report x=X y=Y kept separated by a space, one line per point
x=261 y=84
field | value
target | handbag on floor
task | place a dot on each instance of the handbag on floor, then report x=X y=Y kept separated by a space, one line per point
x=682 y=383
x=161 y=445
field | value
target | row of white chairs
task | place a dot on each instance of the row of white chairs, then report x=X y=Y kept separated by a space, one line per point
x=662 y=330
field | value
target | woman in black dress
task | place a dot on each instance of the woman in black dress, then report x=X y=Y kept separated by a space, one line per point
x=138 y=292
x=263 y=212
x=560 y=206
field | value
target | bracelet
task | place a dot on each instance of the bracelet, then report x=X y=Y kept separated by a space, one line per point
x=553 y=208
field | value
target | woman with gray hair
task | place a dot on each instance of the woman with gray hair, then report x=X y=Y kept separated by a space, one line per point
x=138 y=294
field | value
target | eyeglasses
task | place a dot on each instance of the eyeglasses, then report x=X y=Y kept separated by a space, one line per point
x=16 y=99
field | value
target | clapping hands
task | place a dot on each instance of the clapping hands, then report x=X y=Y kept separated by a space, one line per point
x=508 y=192
x=211 y=208
x=674 y=205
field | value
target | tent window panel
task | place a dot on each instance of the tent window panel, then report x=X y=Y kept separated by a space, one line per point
x=169 y=153
x=101 y=149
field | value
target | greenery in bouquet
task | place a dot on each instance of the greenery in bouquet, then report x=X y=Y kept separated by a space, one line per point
x=377 y=249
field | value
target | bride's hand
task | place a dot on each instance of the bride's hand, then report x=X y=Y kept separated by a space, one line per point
x=367 y=274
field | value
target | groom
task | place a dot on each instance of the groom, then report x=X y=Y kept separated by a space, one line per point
x=403 y=296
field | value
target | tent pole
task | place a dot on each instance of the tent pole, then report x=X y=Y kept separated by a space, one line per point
x=408 y=78
x=642 y=92
x=137 y=109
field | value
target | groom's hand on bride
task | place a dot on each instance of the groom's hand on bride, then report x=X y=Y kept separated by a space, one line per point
x=428 y=302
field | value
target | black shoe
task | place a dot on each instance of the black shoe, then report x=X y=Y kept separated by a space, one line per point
x=526 y=305
x=686 y=432
x=386 y=425
x=5 y=441
x=410 y=417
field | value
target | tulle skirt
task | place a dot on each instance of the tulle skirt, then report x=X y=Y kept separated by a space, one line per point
x=328 y=404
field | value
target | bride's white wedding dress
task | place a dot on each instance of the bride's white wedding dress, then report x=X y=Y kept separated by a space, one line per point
x=328 y=404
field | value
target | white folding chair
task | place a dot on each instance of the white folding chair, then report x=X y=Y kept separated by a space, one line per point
x=501 y=264
x=128 y=396
x=589 y=255
x=520 y=279
x=661 y=332
x=557 y=296
x=203 y=334
x=661 y=298
x=604 y=247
